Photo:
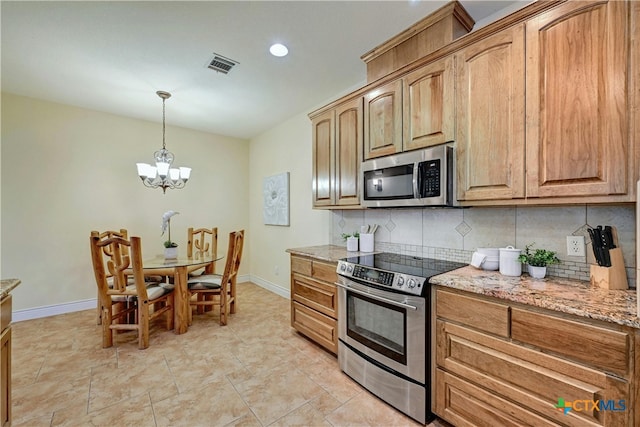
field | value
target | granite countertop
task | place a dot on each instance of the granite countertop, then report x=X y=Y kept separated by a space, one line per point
x=7 y=285
x=332 y=253
x=553 y=293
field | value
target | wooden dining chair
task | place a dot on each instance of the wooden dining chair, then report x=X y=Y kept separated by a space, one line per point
x=221 y=286
x=108 y=253
x=121 y=299
x=202 y=241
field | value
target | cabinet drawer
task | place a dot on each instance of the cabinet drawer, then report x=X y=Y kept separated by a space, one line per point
x=300 y=265
x=320 y=328
x=529 y=378
x=595 y=346
x=462 y=403
x=479 y=314
x=324 y=271
x=315 y=294
x=5 y=312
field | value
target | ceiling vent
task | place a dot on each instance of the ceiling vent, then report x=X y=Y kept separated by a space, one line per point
x=221 y=64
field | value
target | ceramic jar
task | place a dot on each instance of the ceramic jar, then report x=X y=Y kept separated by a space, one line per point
x=509 y=264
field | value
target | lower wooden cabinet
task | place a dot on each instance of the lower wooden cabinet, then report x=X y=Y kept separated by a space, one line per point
x=546 y=364
x=314 y=300
x=5 y=361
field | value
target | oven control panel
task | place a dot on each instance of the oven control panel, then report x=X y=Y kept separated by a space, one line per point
x=397 y=281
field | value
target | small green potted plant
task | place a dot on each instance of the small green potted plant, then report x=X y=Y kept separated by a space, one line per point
x=352 y=241
x=537 y=260
x=170 y=247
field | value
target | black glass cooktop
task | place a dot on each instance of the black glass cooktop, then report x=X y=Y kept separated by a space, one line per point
x=406 y=264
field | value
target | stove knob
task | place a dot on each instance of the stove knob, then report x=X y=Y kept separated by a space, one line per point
x=412 y=283
x=400 y=281
x=349 y=268
x=343 y=267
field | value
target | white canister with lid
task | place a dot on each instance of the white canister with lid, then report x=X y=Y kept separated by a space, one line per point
x=509 y=264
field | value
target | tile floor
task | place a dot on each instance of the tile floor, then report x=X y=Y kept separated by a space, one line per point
x=256 y=371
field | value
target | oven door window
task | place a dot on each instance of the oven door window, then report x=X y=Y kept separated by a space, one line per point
x=378 y=325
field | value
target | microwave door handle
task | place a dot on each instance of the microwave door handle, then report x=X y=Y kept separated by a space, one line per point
x=416 y=180
x=376 y=297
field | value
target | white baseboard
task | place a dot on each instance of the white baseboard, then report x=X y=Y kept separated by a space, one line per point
x=70 y=307
x=52 y=310
x=286 y=293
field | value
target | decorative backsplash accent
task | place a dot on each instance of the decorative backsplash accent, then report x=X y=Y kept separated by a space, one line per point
x=454 y=234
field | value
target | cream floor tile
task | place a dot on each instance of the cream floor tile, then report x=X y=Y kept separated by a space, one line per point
x=215 y=404
x=135 y=412
x=304 y=416
x=367 y=410
x=42 y=399
x=275 y=395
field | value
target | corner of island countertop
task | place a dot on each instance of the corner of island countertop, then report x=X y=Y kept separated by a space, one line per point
x=559 y=294
x=7 y=285
x=330 y=253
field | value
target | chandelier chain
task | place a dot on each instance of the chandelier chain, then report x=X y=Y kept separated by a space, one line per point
x=163 y=131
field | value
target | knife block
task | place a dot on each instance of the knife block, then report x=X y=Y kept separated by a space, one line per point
x=614 y=277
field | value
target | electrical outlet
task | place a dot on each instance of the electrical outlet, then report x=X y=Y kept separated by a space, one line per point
x=575 y=246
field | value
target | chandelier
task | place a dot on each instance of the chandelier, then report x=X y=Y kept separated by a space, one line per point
x=162 y=175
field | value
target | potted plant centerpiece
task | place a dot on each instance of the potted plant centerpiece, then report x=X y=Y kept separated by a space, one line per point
x=537 y=261
x=170 y=247
x=352 y=241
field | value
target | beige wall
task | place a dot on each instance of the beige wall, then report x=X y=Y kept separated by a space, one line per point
x=67 y=171
x=285 y=148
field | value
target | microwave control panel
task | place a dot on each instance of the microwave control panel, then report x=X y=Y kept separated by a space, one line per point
x=430 y=182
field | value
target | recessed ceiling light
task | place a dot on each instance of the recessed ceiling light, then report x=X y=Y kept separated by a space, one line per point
x=278 y=50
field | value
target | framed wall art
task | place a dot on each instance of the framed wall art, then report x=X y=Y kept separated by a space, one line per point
x=275 y=195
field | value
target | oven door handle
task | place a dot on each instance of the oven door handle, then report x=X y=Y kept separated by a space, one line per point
x=378 y=298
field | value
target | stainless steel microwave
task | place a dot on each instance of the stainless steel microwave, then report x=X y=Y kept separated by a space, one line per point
x=415 y=178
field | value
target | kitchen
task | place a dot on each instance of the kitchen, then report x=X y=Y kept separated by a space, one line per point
x=429 y=231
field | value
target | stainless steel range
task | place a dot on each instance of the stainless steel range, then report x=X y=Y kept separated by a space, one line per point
x=384 y=327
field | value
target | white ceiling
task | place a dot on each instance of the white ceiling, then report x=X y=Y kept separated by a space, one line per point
x=113 y=56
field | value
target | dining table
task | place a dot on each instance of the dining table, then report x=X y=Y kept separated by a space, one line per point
x=179 y=268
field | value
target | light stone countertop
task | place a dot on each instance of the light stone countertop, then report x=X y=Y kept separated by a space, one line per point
x=7 y=285
x=553 y=293
x=569 y=296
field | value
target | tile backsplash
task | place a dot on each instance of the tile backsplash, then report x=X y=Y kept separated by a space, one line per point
x=454 y=234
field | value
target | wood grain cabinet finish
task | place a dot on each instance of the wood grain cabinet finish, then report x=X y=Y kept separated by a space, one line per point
x=323 y=153
x=482 y=377
x=490 y=114
x=577 y=100
x=383 y=120
x=5 y=361
x=337 y=138
x=428 y=105
x=314 y=300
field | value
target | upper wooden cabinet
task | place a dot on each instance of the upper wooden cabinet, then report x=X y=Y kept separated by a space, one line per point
x=323 y=140
x=428 y=105
x=564 y=108
x=414 y=112
x=577 y=100
x=337 y=154
x=383 y=120
x=490 y=142
x=543 y=106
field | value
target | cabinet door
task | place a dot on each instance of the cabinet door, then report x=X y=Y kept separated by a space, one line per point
x=428 y=105
x=577 y=127
x=348 y=148
x=490 y=116
x=323 y=159
x=383 y=120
